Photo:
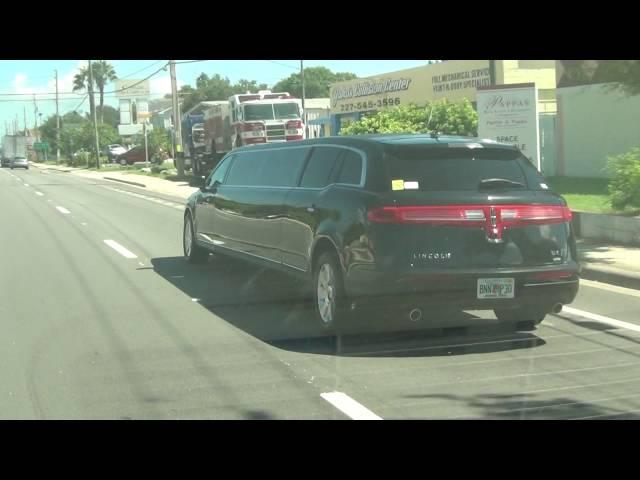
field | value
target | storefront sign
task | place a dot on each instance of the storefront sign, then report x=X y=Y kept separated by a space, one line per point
x=509 y=114
x=453 y=79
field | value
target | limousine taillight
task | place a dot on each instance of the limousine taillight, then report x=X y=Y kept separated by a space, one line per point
x=472 y=215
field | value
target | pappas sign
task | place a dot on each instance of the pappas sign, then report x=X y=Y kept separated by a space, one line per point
x=132 y=88
x=509 y=114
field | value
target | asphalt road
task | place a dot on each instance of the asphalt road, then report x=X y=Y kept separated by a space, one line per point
x=101 y=318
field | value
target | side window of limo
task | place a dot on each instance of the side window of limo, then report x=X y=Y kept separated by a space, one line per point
x=281 y=167
x=219 y=173
x=351 y=171
x=321 y=165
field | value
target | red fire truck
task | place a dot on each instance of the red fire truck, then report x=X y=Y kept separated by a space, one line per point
x=250 y=119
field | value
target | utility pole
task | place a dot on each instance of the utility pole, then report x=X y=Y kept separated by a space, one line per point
x=35 y=116
x=25 y=120
x=304 y=111
x=57 y=123
x=177 y=126
x=146 y=146
x=93 y=109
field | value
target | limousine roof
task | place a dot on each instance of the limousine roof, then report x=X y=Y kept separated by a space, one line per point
x=390 y=139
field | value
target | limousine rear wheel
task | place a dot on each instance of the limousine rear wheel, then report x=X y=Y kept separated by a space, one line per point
x=193 y=253
x=330 y=304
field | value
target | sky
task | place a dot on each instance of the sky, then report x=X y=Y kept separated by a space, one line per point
x=37 y=77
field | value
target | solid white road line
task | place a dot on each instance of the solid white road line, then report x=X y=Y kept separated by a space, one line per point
x=120 y=249
x=63 y=210
x=349 y=406
x=610 y=288
x=601 y=318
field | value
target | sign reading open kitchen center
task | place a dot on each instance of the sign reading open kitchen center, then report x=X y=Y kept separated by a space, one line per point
x=509 y=114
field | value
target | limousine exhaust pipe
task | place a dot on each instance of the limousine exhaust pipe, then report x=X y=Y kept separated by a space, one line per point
x=557 y=308
x=415 y=315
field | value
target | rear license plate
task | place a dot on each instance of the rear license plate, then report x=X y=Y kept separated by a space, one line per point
x=495 y=287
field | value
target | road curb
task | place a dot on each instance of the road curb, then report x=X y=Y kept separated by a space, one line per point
x=612 y=276
x=53 y=168
x=126 y=181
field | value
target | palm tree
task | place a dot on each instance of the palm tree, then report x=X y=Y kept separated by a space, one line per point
x=81 y=82
x=103 y=73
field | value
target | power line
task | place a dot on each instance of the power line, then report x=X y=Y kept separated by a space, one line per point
x=141 y=70
x=283 y=64
x=85 y=97
x=192 y=61
x=78 y=94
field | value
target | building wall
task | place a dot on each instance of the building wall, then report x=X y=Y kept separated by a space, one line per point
x=313 y=131
x=540 y=72
x=453 y=79
x=592 y=124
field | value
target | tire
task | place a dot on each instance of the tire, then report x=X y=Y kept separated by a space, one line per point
x=123 y=162
x=329 y=300
x=525 y=318
x=193 y=253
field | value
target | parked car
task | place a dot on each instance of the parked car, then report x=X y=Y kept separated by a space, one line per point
x=19 y=162
x=5 y=162
x=404 y=220
x=136 y=154
x=114 y=150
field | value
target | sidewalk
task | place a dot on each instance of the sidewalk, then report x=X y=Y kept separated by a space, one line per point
x=601 y=261
x=167 y=187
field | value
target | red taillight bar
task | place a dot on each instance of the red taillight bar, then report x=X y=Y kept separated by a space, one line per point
x=552 y=275
x=472 y=215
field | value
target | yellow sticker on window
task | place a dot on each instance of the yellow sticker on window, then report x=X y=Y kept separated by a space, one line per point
x=397 y=184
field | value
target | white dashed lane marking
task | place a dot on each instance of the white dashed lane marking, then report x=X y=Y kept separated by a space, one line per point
x=120 y=249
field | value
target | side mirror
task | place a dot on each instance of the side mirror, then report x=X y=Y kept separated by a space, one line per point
x=197 y=182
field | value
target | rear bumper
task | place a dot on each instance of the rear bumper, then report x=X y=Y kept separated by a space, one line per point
x=458 y=290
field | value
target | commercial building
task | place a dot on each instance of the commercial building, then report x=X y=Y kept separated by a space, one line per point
x=451 y=79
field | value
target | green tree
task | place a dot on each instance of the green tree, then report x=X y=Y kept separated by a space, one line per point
x=48 y=128
x=624 y=186
x=214 y=88
x=109 y=115
x=158 y=140
x=244 y=86
x=317 y=81
x=623 y=75
x=103 y=73
x=444 y=117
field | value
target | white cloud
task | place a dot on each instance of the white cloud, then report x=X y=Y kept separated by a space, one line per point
x=20 y=82
x=162 y=85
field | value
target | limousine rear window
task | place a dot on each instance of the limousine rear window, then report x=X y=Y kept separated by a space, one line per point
x=433 y=169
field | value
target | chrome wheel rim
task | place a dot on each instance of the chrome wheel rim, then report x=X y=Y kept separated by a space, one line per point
x=326 y=289
x=188 y=238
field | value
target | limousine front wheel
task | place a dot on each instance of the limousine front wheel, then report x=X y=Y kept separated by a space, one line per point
x=193 y=253
x=329 y=292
